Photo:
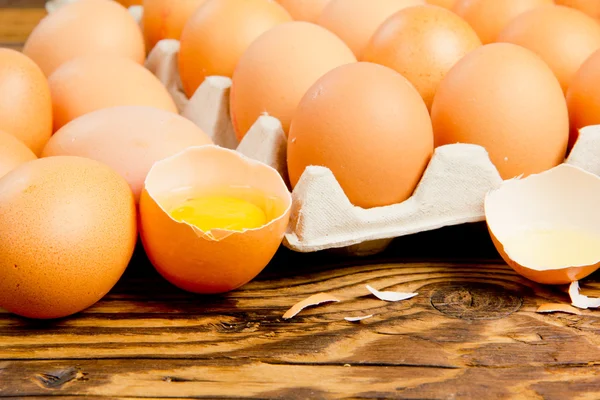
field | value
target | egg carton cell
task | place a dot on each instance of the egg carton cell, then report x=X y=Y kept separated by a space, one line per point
x=451 y=191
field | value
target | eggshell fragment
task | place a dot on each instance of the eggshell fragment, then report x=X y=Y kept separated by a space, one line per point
x=541 y=222
x=219 y=260
x=83 y=28
x=13 y=153
x=130 y=139
x=558 y=307
x=358 y=319
x=390 y=296
x=313 y=300
x=582 y=301
x=87 y=84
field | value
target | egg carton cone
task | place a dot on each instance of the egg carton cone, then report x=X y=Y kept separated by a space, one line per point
x=53 y=5
x=586 y=151
x=450 y=192
x=162 y=61
x=137 y=12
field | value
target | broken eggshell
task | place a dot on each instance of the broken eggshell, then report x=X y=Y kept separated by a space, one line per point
x=562 y=199
x=580 y=300
x=314 y=300
x=219 y=260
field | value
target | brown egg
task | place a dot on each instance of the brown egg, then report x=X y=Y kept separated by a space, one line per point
x=278 y=68
x=590 y=7
x=304 y=10
x=449 y=4
x=25 y=103
x=505 y=98
x=583 y=96
x=355 y=21
x=562 y=36
x=369 y=126
x=87 y=84
x=130 y=139
x=85 y=27
x=422 y=43
x=217 y=35
x=489 y=17
x=67 y=233
x=13 y=153
x=165 y=19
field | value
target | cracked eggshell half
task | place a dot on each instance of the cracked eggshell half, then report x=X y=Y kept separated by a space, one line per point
x=546 y=226
x=217 y=261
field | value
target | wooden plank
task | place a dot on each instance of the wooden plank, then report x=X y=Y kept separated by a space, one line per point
x=22 y=3
x=471 y=333
x=478 y=315
x=17 y=23
x=257 y=379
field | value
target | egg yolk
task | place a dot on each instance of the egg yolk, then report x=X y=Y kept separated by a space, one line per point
x=220 y=212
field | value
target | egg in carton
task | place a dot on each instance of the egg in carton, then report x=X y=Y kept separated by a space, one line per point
x=451 y=191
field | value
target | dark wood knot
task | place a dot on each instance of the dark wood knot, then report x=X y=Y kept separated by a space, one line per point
x=473 y=300
x=57 y=379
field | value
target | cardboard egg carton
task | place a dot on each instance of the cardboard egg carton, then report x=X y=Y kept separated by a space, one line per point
x=451 y=191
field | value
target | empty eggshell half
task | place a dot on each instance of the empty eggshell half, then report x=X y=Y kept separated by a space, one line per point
x=219 y=260
x=546 y=226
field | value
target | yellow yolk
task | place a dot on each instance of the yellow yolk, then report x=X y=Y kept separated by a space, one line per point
x=220 y=212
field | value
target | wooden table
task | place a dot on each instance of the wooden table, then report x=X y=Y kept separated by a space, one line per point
x=471 y=333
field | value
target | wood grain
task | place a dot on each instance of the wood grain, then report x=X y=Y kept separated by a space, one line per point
x=471 y=333
x=17 y=23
